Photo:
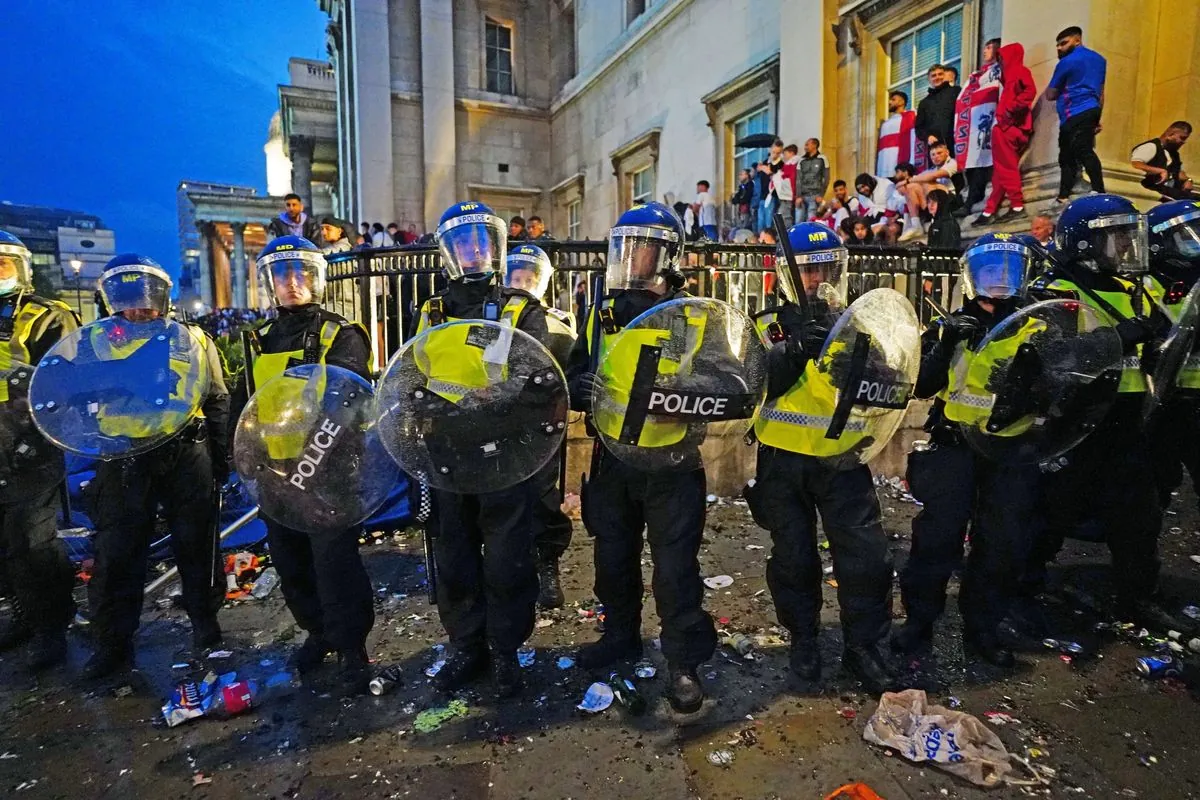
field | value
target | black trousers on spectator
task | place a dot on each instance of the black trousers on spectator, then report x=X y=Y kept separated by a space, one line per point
x=487 y=582
x=324 y=584
x=619 y=503
x=34 y=561
x=789 y=490
x=1175 y=444
x=999 y=503
x=977 y=181
x=552 y=528
x=128 y=492
x=1109 y=480
x=1077 y=148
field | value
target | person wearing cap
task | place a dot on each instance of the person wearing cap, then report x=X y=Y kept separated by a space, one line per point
x=32 y=557
x=179 y=475
x=335 y=235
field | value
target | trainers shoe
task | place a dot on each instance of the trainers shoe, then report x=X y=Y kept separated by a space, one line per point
x=982 y=220
x=550 y=593
x=609 y=648
x=685 y=693
x=910 y=233
x=1014 y=213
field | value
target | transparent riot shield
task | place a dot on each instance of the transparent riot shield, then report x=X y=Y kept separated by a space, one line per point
x=679 y=385
x=871 y=356
x=1037 y=384
x=475 y=406
x=307 y=448
x=1177 y=353
x=117 y=388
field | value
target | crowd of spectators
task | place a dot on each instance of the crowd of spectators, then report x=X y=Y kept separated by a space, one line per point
x=226 y=321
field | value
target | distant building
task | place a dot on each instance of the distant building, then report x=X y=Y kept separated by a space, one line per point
x=189 y=234
x=61 y=240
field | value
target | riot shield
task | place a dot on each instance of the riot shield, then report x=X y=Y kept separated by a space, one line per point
x=872 y=356
x=475 y=406
x=1177 y=352
x=117 y=388
x=308 y=451
x=679 y=385
x=1037 y=384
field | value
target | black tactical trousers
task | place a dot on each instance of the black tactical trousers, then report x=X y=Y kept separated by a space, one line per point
x=128 y=492
x=789 y=490
x=35 y=562
x=1109 y=480
x=619 y=504
x=487 y=582
x=552 y=528
x=959 y=488
x=1175 y=444
x=325 y=584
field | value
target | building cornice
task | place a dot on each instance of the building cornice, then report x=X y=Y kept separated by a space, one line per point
x=569 y=182
x=749 y=79
x=507 y=108
x=303 y=97
x=491 y=188
x=647 y=140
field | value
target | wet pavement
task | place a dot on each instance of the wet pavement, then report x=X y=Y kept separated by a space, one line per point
x=1092 y=725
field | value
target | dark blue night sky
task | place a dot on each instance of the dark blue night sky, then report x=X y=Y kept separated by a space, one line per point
x=108 y=104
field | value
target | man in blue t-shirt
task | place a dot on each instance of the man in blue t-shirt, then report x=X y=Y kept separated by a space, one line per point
x=1077 y=87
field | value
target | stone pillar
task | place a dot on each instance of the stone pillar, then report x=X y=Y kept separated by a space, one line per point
x=805 y=30
x=206 y=280
x=372 y=108
x=239 y=264
x=437 y=107
x=301 y=150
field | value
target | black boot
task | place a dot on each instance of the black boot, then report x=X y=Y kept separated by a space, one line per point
x=684 y=690
x=870 y=667
x=609 y=648
x=49 y=649
x=804 y=659
x=310 y=655
x=550 y=593
x=461 y=668
x=1027 y=618
x=354 y=674
x=912 y=638
x=109 y=659
x=206 y=635
x=15 y=632
x=506 y=673
x=988 y=647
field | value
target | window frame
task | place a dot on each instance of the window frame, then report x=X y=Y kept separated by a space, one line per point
x=648 y=194
x=908 y=84
x=492 y=22
x=632 y=17
x=765 y=108
x=574 y=219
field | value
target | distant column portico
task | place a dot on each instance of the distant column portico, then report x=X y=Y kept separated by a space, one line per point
x=232 y=233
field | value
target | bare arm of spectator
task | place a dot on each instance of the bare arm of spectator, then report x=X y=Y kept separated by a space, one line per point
x=1143 y=153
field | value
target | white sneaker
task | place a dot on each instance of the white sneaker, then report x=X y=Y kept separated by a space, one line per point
x=910 y=232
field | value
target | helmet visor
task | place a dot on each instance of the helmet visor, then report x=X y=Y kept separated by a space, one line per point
x=15 y=269
x=135 y=288
x=1118 y=244
x=473 y=244
x=529 y=273
x=996 y=269
x=293 y=278
x=820 y=275
x=640 y=256
x=1181 y=235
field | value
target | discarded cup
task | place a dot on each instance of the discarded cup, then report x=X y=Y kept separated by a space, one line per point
x=598 y=697
x=720 y=758
x=526 y=657
x=718 y=581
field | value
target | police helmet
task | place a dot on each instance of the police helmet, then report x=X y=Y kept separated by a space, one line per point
x=131 y=282
x=820 y=268
x=473 y=242
x=997 y=266
x=16 y=265
x=529 y=269
x=291 y=270
x=1103 y=233
x=644 y=249
x=1174 y=235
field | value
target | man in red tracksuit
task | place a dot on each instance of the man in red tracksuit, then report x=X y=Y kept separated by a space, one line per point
x=1010 y=136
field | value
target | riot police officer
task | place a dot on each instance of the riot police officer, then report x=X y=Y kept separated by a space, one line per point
x=483 y=543
x=32 y=558
x=322 y=576
x=181 y=475
x=1109 y=478
x=957 y=487
x=792 y=482
x=620 y=501
x=528 y=272
x=1174 y=237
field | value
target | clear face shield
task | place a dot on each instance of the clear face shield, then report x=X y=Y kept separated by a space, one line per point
x=640 y=257
x=473 y=246
x=529 y=273
x=1118 y=244
x=293 y=278
x=134 y=289
x=996 y=270
x=15 y=269
x=1181 y=236
x=821 y=276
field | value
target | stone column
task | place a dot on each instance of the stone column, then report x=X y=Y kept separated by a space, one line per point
x=205 y=267
x=301 y=150
x=239 y=264
x=437 y=107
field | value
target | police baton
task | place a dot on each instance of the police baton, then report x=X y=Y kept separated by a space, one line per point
x=790 y=258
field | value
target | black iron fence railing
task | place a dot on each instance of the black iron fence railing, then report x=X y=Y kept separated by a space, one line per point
x=384 y=289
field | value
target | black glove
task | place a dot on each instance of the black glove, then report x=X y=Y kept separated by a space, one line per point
x=805 y=343
x=581 y=392
x=961 y=328
x=220 y=470
x=1135 y=330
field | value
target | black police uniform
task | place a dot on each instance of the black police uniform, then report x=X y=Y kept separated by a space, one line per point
x=959 y=489
x=127 y=492
x=322 y=576
x=32 y=558
x=1175 y=428
x=484 y=543
x=619 y=502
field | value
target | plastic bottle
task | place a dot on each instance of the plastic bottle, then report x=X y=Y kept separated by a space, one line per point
x=233 y=698
x=265 y=583
x=740 y=643
x=625 y=693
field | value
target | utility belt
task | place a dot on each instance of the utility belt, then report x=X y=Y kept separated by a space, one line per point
x=946 y=435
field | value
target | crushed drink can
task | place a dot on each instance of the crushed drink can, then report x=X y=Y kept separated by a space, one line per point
x=385 y=681
x=1159 y=667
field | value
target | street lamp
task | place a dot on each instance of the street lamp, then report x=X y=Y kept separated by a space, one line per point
x=76 y=266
